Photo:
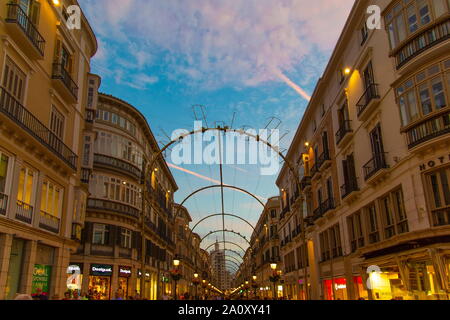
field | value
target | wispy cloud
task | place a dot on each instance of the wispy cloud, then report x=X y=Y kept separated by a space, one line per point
x=222 y=42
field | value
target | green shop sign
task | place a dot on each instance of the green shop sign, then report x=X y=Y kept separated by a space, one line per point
x=41 y=279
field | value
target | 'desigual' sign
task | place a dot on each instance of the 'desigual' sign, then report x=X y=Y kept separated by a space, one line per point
x=434 y=163
x=101 y=270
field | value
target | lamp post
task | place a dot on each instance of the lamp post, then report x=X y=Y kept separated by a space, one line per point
x=246 y=288
x=204 y=285
x=274 y=278
x=175 y=275
x=195 y=282
x=254 y=285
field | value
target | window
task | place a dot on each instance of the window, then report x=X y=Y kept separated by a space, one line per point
x=438 y=187
x=115 y=189
x=125 y=238
x=356 y=231
x=51 y=199
x=87 y=151
x=26 y=186
x=14 y=81
x=372 y=223
x=31 y=9
x=100 y=234
x=90 y=102
x=330 y=243
x=408 y=17
x=4 y=164
x=431 y=90
x=364 y=33
x=57 y=123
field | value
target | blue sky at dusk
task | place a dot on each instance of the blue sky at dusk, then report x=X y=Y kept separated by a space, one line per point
x=164 y=56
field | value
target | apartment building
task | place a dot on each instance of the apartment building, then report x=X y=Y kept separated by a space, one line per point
x=43 y=98
x=372 y=159
x=128 y=241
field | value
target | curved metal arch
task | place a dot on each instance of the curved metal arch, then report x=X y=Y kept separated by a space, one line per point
x=234 y=259
x=225 y=230
x=220 y=214
x=229 y=242
x=235 y=252
x=231 y=261
x=216 y=186
x=244 y=133
x=235 y=268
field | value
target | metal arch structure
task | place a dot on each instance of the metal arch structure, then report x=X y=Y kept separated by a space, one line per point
x=228 y=242
x=219 y=214
x=231 y=261
x=225 y=130
x=234 y=258
x=225 y=230
x=235 y=252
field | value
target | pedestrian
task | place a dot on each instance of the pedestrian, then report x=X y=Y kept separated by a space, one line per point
x=66 y=295
x=76 y=295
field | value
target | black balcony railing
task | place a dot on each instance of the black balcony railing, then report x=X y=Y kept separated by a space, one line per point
x=305 y=182
x=344 y=128
x=370 y=94
x=441 y=217
x=85 y=175
x=350 y=186
x=25 y=119
x=24 y=212
x=3 y=204
x=325 y=156
x=17 y=15
x=106 y=205
x=284 y=211
x=59 y=72
x=429 y=129
x=323 y=208
x=422 y=42
x=49 y=222
x=119 y=164
x=377 y=163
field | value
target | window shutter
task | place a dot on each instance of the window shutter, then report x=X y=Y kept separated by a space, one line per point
x=58 y=47
x=111 y=235
x=34 y=14
x=118 y=235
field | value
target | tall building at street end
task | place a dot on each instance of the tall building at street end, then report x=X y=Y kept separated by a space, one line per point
x=371 y=205
x=43 y=97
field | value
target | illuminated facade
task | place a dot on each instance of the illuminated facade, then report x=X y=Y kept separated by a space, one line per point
x=43 y=98
x=372 y=153
x=117 y=150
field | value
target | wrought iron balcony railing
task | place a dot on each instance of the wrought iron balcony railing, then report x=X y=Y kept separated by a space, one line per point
x=349 y=187
x=25 y=119
x=15 y=14
x=49 y=222
x=101 y=159
x=59 y=72
x=370 y=94
x=3 y=204
x=24 y=212
x=377 y=163
x=115 y=207
x=429 y=129
x=323 y=208
x=422 y=42
x=344 y=128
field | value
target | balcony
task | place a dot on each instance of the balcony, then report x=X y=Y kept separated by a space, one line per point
x=114 y=207
x=21 y=27
x=441 y=217
x=85 y=175
x=422 y=42
x=343 y=132
x=90 y=115
x=429 y=129
x=368 y=102
x=349 y=187
x=49 y=222
x=375 y=165
x=3 y=204
x=24 y=212
x=284 y=212
x=305 y=182
x=127 y=168
x=323 y=208
x=27 y=121
x=64 y=83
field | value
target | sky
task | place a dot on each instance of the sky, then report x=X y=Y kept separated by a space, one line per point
x=247 y=62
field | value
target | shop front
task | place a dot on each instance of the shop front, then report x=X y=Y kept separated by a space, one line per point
x=74 y=277
x=360 y=292
x=15 y=266
x=42 y=271
x=100 y=281
x=335 y=289
x=124 y=278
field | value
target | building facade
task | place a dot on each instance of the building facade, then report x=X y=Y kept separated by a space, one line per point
x=128 y=232
x=372 y=159
x=43 y=97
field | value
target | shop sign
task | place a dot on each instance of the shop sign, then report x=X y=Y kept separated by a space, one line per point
x=433 y=163
x=125 y=272
x=101 y=270
x=41 y=279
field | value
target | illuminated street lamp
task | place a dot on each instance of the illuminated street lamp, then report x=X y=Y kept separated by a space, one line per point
x=274 y=278
x=254 y=285
x=196 y=282
x=175 y=274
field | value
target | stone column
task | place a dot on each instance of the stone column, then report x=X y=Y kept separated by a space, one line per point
x=5 y=253
x=12 y=205
x=29 y=260
x=348 y=270
x=114 y=280
x=59 y=273
x=86 y=272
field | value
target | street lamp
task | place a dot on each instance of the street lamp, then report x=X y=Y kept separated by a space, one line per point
x=254 y=285
x=274 y=278
x=175 y=275
x=196 y=282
